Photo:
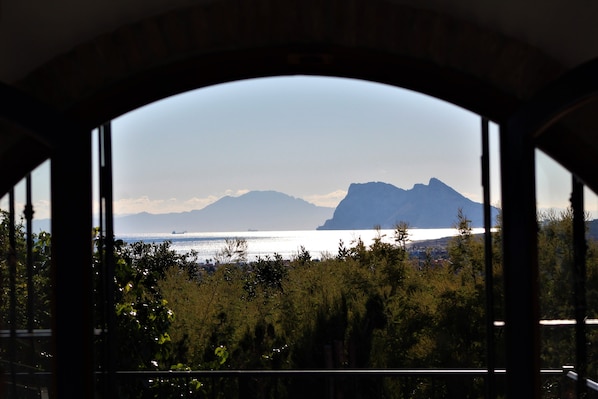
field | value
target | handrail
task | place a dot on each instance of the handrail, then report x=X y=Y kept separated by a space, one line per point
x=311 y=372
x=46 y=332
x=589 y=383
x=554 y=322
x=325 y=372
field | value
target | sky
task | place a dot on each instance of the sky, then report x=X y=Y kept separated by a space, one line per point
x=306 y=136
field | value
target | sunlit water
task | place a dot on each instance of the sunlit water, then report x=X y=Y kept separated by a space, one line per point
x=288 y=244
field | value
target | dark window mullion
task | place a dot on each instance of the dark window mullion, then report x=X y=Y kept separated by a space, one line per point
x=489 y=279
x=107 y=249
x=579 y=273
x=12 y=276
x=28 y=212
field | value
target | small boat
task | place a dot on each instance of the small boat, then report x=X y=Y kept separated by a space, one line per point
x=178 y=232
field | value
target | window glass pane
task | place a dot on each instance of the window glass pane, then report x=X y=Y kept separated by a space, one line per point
x=25 y=314
x=591 y=209
x=366 y=299
x=555 y=262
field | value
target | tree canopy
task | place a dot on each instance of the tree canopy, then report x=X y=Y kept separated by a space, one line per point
x=373 y=305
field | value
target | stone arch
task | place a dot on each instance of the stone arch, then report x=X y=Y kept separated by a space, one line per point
x=226 y=40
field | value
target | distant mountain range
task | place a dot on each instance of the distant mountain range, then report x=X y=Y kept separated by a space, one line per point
x=365 y=206
x=435 y=205
x=255 y=210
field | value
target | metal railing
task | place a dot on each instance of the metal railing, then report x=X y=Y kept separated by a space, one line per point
x=235 y=377
x=593 y=385
x=344 y=382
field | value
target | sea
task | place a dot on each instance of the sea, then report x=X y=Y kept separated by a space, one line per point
x=288 y=244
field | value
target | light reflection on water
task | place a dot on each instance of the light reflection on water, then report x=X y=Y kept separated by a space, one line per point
x=319 y=243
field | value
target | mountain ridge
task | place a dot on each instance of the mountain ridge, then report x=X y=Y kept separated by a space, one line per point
x=434 y=205
x=366 y=205
x=255 y=210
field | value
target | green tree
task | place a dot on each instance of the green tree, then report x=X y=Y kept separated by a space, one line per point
x=466 y=251
x=233 y=251
x=143 y=315
x=401 y=234
x=24 y=296
x=371 y=306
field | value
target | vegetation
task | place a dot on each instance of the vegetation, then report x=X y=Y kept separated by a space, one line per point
x=372 y=305
x=24 y=298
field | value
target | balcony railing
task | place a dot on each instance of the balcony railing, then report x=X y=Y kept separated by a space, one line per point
x=335 y=380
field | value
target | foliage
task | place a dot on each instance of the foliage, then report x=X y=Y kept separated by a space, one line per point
x=370 y=306
x=142 y=315
x=24 y=298
x=557 y=289
x=233 y=251
x=373 y=305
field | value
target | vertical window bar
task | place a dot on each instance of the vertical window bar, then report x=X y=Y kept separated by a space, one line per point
x=107 y=248
x=520 y=258
x=490 y=355
x=100 y=284
x=579 y=273
x=28 y=212
x=72 y=261
x=12 y=276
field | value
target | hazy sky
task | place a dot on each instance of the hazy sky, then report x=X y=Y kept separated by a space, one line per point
x=308 y=137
